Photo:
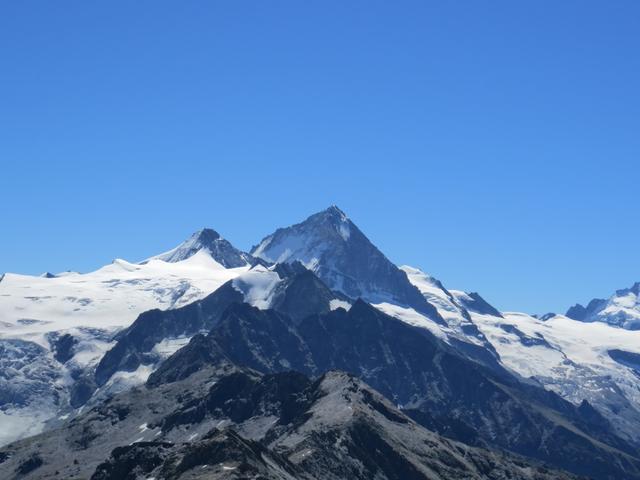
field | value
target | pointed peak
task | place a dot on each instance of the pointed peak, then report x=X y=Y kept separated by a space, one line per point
x=211 y=242
x=206 y=235
x=334 y=210
x=334 y=214
x=331 y=215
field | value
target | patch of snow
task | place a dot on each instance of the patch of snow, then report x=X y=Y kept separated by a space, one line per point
x=413 y=318
x=169 y=346
x=344 y=231
x=121 y=381
x=336 y=303
x=20 y=423
x=258 y=286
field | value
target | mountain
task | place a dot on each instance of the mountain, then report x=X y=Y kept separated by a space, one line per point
x=54 y=329
x=458 y=326
x=593 y=362
x=335 y=249
x=575 y=360
x=431 y=381
x=76 y=348
x=230 y=422
x=209 y=241
x=287 y=288
x=622 y=309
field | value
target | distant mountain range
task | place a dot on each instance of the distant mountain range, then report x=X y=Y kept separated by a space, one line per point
x=299 y=359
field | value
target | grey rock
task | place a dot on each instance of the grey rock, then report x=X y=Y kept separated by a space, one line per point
x=335 y=249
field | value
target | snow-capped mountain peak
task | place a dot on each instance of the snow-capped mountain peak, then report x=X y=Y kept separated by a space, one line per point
x=210 y=241
x=334 y=248
x=622 y=309
x=308 y=240
x=86 y=309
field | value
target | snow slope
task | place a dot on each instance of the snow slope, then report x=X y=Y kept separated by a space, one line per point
x=567 y=356
x=112 y=296
x=36 y=376
x=211 y=242
x=573 y=359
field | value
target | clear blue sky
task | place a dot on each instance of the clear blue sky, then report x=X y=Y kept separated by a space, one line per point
x=495 y=144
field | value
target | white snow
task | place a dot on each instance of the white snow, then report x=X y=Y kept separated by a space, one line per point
x=336 y=303
x=169 y=346
x=121 y=381
x=258 y=286
x=445 y=303
x=621 y=309
x=566 y=356
x=112 y=296
x=344 y=231
x=433 y=292
x=283 y=250
x=410 y=316
x=91 y=307
x=20 y=423
x=569 y=357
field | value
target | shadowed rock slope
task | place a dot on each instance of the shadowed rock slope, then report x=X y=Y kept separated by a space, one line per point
x=233 y=423
x=431 y=381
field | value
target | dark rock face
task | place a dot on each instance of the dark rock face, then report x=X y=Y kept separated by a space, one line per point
x=130 y=462
x=411 y=367
x=221 y=454
x=338 y=428
x=343 y=257
x=299 y=295
x=82 y=390
x=63 y=348
x=210 y=241
x=526 y=340
x=29 y=465
x=150 y=328
x=628 y=359
x=241 y=396
x=303 y=293
x=479 y=305
x=581 y=313
x=333 y=428
x=577 y=312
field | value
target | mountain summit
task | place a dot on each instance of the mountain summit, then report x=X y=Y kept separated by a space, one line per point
x=213 y=243
x=622 y=309
x=332 y=246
